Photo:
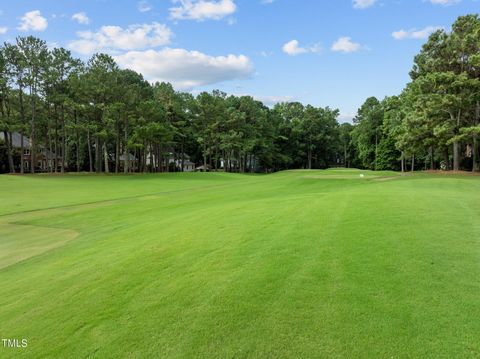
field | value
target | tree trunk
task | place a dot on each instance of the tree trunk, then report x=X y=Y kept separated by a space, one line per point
x=126 y=161
x=309 y=159
x=105 y=153
x=446 y=159
x=98 y=162
x=152 y=159
x=167 y=162
x=204 y=158
x=55 y=142
x=432 y=158
x=160 y=158
x=413 y=163
x=50 y=147
x=22 y=154
x=89 y=145
x=48 y=152
x=64 y=144
x=32 y=134
x=456 y=156
x=476 y=164
x=48 y=142
x=135 y=161
x=78 y=143
x=402 y=162
x=11 y=167
x=183 y=153
x=117 y=151
x=145 y=158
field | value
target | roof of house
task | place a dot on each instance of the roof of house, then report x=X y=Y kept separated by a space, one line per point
x=17 y=143
x=17 y=140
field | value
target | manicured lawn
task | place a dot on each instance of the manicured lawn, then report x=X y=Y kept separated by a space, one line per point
x=295 y=264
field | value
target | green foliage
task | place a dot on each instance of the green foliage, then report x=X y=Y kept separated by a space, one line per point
x=440 y=108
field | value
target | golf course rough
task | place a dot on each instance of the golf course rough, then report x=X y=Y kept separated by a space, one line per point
x=297 y=264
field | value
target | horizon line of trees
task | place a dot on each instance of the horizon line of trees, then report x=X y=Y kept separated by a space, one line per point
x=95 y=116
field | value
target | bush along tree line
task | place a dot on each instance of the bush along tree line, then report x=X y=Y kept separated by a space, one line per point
x=59 y=114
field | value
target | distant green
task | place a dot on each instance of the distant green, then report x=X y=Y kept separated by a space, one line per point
x=297 y=264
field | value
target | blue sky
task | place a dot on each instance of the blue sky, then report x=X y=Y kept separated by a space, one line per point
x=324 y=52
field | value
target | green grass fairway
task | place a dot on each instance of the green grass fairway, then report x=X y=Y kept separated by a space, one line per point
x=298 y=264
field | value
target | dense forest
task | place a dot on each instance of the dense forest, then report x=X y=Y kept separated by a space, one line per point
x=60 y=114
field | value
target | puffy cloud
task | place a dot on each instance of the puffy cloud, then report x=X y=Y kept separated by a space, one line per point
x=144 y=6
x=293 y=48
x=415 y=34
x=114 y=38
x=200 y=10
x=186 y=69
x=363 y=4
x=33 y=21
x=3 y=30
x=81 y=18
x=346 y=45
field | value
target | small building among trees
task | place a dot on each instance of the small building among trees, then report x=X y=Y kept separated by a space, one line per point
x=20 y=147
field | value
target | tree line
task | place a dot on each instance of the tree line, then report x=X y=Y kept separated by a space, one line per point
x=94 y=116
x=435 y=122
x=97 y=117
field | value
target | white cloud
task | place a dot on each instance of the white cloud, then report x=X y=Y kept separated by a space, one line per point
x=186 y=69
x=363 y=4
x=444 y=2
x=34 y=21
x=346 y=45
x=200 y=10
x=293 y=48
x=144 y=6
x=415 y=34
x=3 y=30
x=114 y=38
x=81 y=18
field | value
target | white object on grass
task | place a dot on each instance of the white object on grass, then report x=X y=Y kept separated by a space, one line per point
x=362 y=175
